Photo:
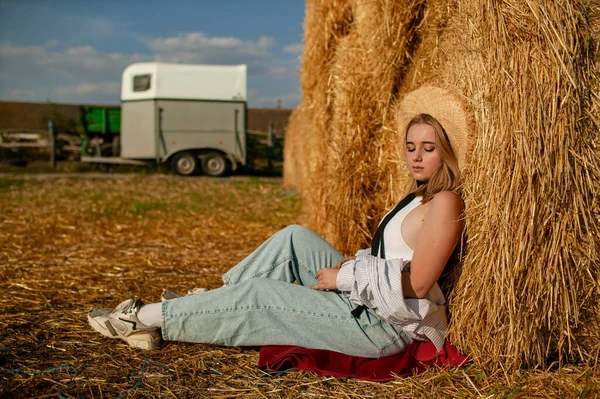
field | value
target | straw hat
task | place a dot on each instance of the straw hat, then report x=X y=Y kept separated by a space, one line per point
x=448 y=107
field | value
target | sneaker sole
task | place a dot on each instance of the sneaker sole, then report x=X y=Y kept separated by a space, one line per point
x=147 y=340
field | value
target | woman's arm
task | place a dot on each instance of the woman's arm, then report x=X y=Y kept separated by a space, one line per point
x=436 y=240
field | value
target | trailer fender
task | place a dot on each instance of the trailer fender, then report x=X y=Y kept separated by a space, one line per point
x=234 y=164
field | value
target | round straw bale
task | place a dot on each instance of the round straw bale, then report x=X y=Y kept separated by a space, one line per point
x=529 y=291
x=529 y=284
x=326 y=21
x=293 y=151
x=363 y=172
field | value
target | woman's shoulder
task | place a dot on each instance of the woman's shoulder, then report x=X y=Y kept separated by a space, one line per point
x=447 y=201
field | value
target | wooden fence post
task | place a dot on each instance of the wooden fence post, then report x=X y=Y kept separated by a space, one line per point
x=271 y=145
x=52 y=143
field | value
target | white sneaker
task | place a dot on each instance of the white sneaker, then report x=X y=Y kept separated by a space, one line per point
x=123 y=323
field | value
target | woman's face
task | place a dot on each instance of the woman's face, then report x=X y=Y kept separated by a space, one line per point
x=422 y=156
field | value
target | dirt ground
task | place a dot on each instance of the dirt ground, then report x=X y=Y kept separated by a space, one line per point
x=68 y=244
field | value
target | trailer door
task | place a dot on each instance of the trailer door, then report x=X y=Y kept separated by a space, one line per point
x=139 y=127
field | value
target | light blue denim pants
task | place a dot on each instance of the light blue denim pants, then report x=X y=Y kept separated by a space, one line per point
x=261 y=305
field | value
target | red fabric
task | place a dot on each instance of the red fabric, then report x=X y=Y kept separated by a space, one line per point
x=417 y=357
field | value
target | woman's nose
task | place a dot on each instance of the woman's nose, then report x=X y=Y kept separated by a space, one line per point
x=417 y=156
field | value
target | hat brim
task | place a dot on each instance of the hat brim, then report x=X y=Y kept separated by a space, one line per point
x=449 y=108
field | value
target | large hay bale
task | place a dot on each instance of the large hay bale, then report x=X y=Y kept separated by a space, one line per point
x=363 y=176
x=529 y=292
x=326 y=21
x=529 y=289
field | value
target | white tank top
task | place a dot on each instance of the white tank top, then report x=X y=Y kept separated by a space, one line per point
x=395 y=246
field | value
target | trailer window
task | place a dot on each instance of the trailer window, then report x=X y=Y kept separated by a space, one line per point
x=141 y=82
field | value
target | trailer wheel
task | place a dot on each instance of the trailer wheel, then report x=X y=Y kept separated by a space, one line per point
x=185 y=163
x=214 y=164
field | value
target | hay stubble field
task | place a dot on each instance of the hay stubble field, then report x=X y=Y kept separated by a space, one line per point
x=72 y=243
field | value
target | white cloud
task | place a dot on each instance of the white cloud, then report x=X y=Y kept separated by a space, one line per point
x=88 y=88
x=295 y=48
x=83 y=73
x=266 y=42
x=199 y=41
x=22 y=95
x=199 y=48
x=88 y=64
x=192 y=41
x=7 y=50
x=80 y=63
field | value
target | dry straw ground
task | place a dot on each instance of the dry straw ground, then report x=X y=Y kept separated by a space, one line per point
x=72 y=243
x=529 y=294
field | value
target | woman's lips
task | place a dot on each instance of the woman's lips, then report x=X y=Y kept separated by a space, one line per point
x=417 y=168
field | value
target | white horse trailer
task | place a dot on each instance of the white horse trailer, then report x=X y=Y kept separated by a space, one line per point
x=192 y=116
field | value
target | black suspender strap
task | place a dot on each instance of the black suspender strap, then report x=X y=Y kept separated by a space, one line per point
x=378 y=246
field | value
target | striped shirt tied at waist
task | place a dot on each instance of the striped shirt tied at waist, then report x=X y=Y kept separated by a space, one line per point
x=377 y=284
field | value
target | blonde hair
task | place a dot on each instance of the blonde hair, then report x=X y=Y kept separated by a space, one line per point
x=447 y=178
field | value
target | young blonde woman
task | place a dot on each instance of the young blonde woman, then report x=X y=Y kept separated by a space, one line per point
x=373 y=304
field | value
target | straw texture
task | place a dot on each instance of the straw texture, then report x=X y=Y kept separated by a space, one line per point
x=529 y=292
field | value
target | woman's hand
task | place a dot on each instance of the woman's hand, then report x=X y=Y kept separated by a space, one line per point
x=346 y=259
x=326 y=279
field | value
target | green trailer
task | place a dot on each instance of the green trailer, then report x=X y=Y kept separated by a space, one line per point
x=101 y=127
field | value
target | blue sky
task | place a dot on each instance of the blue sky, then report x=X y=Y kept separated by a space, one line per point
x=75 y=51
